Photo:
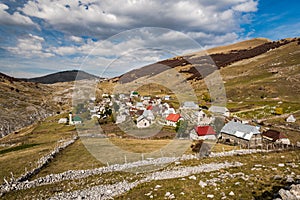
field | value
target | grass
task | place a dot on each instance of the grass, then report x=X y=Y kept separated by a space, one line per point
x=260 y=185
x=17 y=148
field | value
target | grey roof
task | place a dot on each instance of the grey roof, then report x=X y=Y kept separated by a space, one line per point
x=218 y=109
x=240 y=130
x=190 y=104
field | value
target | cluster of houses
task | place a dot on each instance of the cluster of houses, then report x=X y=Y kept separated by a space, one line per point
x=146 y=111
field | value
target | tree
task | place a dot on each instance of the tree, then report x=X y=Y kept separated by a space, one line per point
x=181 y=127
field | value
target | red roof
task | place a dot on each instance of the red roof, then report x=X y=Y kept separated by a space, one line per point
x=204 y=130
x=150 y=107
x=173 y=117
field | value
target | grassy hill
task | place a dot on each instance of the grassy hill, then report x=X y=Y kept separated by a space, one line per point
x=24 y=103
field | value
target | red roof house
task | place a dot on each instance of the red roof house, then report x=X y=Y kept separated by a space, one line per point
x=150 y=107
x=173 y=117
x=204 y=130
x=203 y=133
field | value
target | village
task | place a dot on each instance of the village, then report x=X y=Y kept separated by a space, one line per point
x=190 y=121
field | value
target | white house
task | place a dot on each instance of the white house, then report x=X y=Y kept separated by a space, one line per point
x=63 y=120
x=120 y=119
x=291 y=119
x=143 y=122
x=167 y=97
x=148 y=114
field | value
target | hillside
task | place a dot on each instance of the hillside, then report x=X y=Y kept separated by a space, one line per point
x=256 y=80
x=64 y=76
x=24 y=103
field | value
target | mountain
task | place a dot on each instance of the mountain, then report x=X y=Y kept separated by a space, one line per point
x=64 y=76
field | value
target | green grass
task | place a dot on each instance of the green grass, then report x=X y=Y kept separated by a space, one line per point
x=17 y=148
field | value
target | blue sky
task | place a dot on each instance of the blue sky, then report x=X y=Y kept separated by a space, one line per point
x=109 y=37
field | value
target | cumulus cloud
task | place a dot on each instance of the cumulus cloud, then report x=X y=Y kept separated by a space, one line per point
x=13 y=19
x=30 y=46
x=102 y=19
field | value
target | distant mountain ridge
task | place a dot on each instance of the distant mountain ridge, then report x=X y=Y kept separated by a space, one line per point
x=64 y=76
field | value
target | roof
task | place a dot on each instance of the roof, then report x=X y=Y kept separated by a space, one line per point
x=274 y=135
x=77 y=118
x=150 y=107
x=173 y=117
x=240 y=130
x=204 y=130
x=218 y=109
x=190 y=104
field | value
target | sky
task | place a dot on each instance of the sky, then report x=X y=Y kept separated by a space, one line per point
x=108 y=38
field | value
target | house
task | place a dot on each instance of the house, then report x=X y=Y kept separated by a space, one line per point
x=63 y=120
x=77 y=120
x=120 y=119
x=241 y=134
x=219 y=110
x=142 y=122
x=189 y=105
x=134 y=94
x=148 y=114
x=203 y=133
x=172 y=119
x=167 y=97
x=168 y=111
x=96 y=116
x=150 y=107
x=291 y=119
x=139 y=105
x=273 y=136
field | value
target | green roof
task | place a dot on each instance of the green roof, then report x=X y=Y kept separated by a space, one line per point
x=77 y=118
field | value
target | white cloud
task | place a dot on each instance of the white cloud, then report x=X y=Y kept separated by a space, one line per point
x=13 y=19
x=102 y=19
x=30 y=46
x=76 y=39
x=248 y=6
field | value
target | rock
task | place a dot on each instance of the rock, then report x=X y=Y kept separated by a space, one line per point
x=158 y=186
x=151 y=196
x=193 y=177
x=172 y=196
x=290 y=180
x=280 y=165
x=231 y=193
x=202 y=184
x=277 y=177
x=167 y=194
x=182 y=193
x=211 y=196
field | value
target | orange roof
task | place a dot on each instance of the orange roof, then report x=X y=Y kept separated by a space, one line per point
x=173 y=117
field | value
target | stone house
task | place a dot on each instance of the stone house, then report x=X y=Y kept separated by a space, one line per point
x=245 y=135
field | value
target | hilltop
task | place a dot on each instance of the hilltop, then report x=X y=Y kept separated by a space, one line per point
x=64 y=76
